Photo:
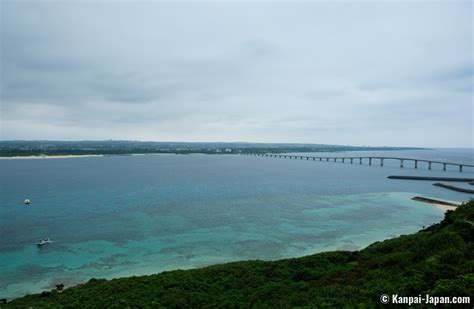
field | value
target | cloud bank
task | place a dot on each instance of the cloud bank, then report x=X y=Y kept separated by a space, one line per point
x=391 y=73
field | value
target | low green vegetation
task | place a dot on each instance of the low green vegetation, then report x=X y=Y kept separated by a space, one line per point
x=57 y=148
x=438 y=261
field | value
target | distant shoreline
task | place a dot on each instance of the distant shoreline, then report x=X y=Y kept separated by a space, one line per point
x=79 y=148
x=104 y=155
x=48 y=157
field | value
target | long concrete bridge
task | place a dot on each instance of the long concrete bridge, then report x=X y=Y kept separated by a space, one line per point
x=366 y=159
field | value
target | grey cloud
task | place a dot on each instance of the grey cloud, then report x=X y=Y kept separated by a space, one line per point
x=461 y=71
x=458 y=77
x=283 y=72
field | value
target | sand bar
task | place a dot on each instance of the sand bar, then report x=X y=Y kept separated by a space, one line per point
x=48 y=157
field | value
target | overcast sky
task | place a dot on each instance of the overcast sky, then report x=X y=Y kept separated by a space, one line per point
x=395 y=74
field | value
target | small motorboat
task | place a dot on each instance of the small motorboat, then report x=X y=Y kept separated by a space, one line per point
x=43 y=242
x=27 y=201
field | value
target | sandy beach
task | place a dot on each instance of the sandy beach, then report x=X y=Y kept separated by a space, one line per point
x=444 y=208
x=443 y=205
x=48 y=157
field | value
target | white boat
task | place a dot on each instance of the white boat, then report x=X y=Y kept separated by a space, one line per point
x=44 y=241
x=27 y=201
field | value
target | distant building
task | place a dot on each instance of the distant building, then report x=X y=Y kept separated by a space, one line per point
x=228 y=150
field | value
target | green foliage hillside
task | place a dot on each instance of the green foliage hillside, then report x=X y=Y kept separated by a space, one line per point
x=438 y=261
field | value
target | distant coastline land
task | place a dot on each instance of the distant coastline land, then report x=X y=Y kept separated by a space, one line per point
x=61 y=149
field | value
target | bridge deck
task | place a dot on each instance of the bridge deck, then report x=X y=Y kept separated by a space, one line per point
x=370 y=158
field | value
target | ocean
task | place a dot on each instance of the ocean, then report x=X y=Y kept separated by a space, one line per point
x=116 y=216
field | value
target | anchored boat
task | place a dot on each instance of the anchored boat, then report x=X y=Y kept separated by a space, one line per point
x=43 y=242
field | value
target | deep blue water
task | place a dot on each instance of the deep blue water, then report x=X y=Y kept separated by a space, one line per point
x=128 y=215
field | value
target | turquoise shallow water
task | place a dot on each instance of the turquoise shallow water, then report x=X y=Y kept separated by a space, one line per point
x=130 y=215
